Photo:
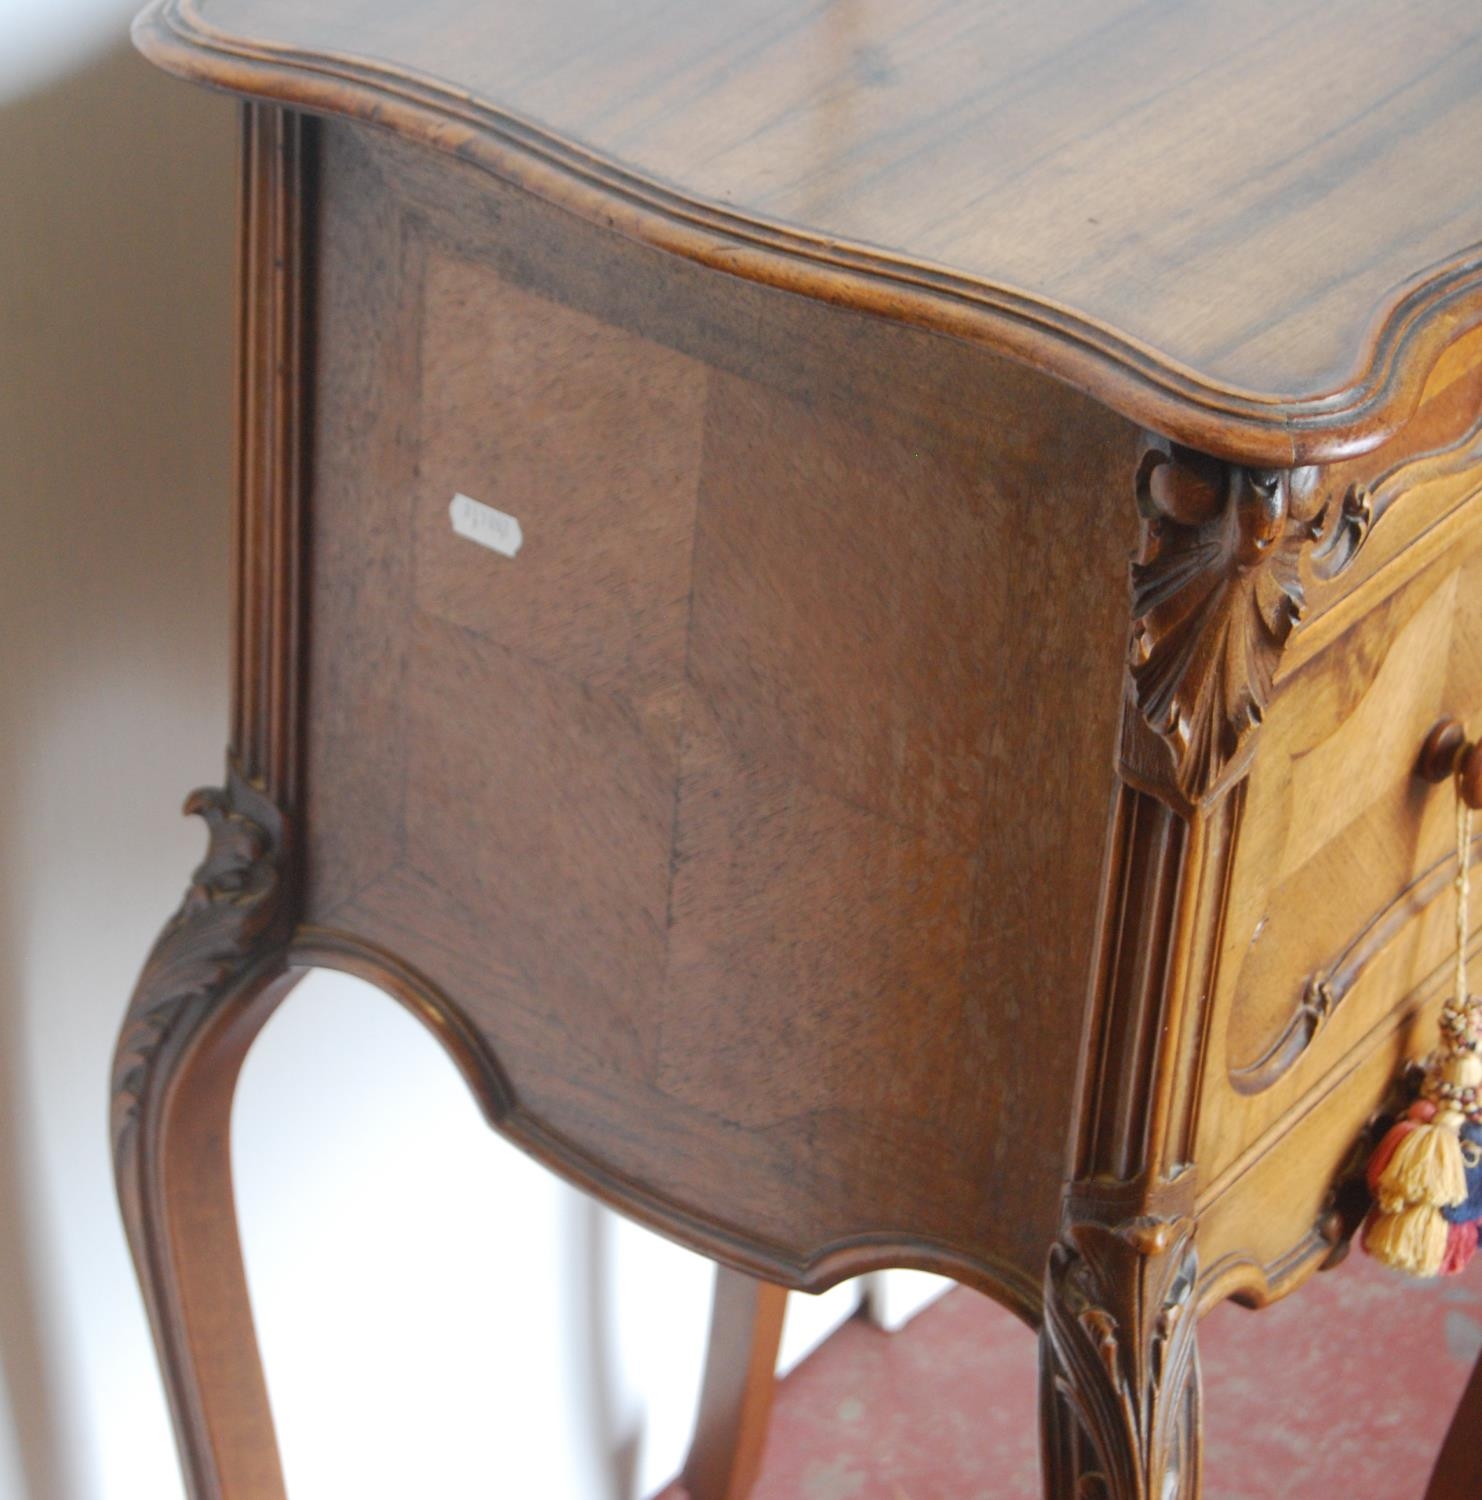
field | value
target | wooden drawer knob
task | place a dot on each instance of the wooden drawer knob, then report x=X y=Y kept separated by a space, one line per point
x=1448 y=752
x=1469 y=776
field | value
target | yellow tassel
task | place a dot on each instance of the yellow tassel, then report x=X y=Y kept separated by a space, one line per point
x=1426 y=1168
x=1412 y=1240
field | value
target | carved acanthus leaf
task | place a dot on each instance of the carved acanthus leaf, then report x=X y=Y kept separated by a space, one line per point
x=1215 y=596
x=1346 y=534
x=1121 y=1355
x=229 y=908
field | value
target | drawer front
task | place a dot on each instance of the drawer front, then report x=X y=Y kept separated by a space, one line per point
x=1338 y=929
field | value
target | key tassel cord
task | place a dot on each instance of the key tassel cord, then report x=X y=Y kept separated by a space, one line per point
x=1426 y=1174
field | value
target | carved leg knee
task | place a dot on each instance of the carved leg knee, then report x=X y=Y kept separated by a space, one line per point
x=1119 y=1366
x=213 y=977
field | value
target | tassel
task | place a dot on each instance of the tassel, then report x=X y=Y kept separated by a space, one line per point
x=1421 y=1112
x=1425 y=1166
x=1384 y=1151
x=1426 y=1174
x=1461 y=1246
x=1414 y=1239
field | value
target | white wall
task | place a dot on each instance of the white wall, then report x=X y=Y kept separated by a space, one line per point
x=413 y=1347
x=115 y=244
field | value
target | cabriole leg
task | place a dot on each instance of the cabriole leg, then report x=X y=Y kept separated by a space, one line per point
x=1119 y=1367
x=211 y=981
x=736 y=1399
x=1458 y=1471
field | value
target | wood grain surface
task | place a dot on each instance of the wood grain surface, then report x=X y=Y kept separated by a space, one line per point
x=1253 y=226
x=808 y=842
x=702 y=812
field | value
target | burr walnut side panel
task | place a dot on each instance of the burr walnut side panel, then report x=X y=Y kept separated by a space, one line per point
x=751 y=814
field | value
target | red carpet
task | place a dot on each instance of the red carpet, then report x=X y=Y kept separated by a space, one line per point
x=1341 y=1392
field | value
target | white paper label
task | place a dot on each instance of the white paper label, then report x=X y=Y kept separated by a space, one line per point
x=488 y=527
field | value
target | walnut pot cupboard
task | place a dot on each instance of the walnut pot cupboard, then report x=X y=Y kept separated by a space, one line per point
x=800 y=822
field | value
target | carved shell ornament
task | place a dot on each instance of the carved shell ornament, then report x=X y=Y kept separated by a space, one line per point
x=1215 y=595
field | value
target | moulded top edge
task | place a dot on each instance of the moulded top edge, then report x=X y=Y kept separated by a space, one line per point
x=1265 y=271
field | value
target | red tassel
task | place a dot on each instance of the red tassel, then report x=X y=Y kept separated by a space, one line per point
x=1461 y=1246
